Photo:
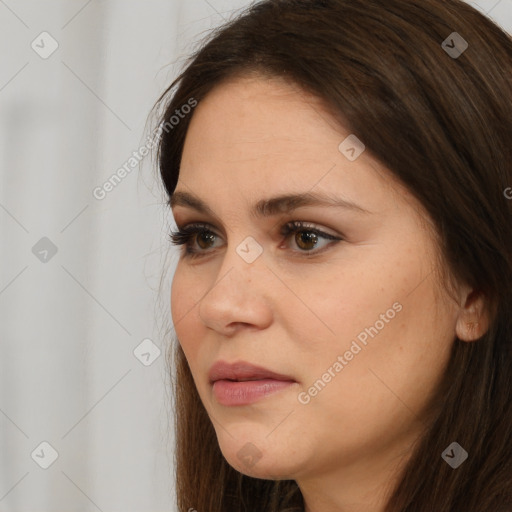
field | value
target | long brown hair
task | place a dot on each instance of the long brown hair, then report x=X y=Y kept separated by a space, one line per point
x=442 y=123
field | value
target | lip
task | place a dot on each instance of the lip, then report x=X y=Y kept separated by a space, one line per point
x=242 y=371
x=242 y=383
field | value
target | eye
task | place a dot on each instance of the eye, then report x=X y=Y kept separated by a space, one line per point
x=200 y=233
x=307 y=236
x=199 y=238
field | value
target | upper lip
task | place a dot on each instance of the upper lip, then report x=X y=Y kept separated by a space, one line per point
x=240 y=371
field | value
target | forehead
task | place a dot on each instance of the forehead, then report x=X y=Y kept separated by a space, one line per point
x=254 y=135
x=251 y=115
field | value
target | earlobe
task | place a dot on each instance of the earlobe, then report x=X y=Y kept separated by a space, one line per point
x=473 y=319
x=469 y=331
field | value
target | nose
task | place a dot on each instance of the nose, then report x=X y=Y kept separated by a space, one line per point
x=239 y=298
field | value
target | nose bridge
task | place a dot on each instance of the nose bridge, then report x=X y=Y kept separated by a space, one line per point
x=236 y=297
x=242 y=264
x=249 y=250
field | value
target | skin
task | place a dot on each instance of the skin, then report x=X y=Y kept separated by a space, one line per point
x=253 y=138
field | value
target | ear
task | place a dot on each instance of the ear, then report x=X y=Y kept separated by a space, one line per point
x=473 y=319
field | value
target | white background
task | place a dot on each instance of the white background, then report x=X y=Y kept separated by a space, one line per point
x=69 y=325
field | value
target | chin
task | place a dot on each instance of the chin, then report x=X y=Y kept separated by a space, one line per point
x=257 y=457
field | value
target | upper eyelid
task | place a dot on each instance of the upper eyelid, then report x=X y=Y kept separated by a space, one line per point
x=292 y=218
x=293 y=224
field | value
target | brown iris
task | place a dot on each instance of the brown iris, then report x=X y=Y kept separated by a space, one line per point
x=307 y=238
x=206 y=238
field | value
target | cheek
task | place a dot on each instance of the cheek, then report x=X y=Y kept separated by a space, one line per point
x=383 y=323
x=187 y=289
x=184 y=299
x=354 y=302
x=178 y=298
x=393 y=366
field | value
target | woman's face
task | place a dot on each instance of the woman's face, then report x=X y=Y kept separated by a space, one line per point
x=353 y=324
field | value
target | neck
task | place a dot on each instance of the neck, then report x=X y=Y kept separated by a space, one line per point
x=365 y=485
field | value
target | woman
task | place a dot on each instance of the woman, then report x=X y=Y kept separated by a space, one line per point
x=338 y=172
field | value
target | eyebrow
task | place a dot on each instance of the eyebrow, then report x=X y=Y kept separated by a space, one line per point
x=272 y=206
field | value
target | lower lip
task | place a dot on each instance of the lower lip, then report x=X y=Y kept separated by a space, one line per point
x=229 y=392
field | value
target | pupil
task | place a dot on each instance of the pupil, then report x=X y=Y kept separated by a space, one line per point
x=205 y=236
x=307 y=238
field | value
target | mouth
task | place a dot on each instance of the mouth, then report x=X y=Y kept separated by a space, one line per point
x=242 y=383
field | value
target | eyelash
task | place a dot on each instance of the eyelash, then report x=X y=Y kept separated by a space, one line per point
x=184 y=236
